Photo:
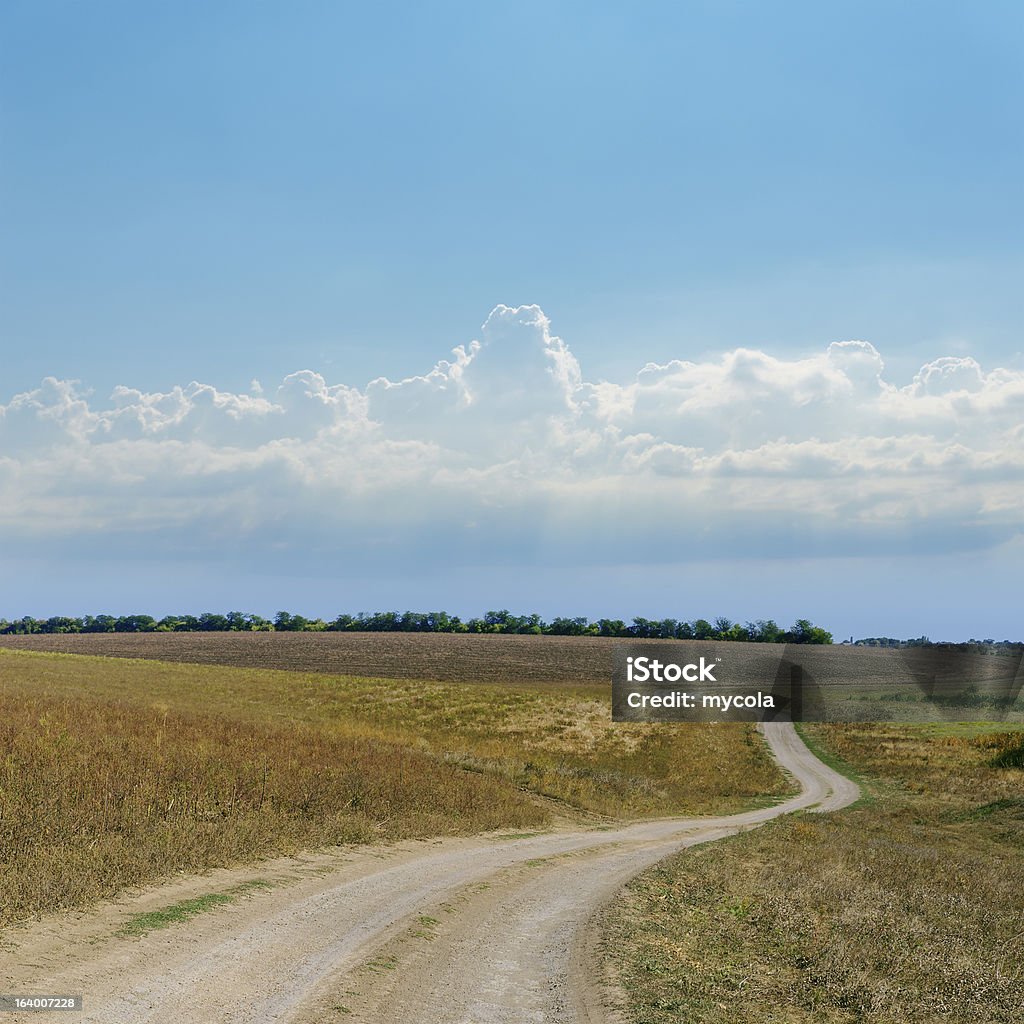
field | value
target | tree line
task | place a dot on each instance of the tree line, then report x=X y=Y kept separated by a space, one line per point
x=803 y=631
x=923 y=641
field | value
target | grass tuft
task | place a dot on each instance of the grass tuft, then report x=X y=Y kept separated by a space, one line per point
x=178 y=913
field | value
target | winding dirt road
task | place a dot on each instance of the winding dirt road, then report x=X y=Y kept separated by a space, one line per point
x=490 y=930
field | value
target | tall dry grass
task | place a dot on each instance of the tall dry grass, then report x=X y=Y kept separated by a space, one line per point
x=114 y=772
x=96 y=796
x=909 y=907
x=558 y=741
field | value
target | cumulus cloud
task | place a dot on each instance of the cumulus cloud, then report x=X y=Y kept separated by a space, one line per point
x=501 y=393
x=505 y=450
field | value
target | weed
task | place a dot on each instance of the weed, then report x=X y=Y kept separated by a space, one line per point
x=177 y=913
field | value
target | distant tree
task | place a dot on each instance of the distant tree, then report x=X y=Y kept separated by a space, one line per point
x=643 y=629
x=737 y=633
x=562 y=626
x=531 y=624
x=501 y=621
x=805 y=632
x=25 y=626
x=135 y=624
x=60 y=624
x=384 y=622
x=211 y=622
x=98 y=624
x=412 y=622
x=703 y=630
x=765 y=631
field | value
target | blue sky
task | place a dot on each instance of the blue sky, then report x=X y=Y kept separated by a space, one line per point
x=227 y=192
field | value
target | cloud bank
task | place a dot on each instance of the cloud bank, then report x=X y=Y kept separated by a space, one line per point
x=505 y=452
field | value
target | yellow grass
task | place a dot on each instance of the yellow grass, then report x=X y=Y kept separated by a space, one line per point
x=908 y=907
x=114 y=772
x=95 y=796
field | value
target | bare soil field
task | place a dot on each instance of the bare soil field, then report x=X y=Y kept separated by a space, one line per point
x=491 y=658
x=448 y=657
x=479 y=658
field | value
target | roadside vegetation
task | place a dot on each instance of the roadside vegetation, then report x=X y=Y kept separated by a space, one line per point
x=96 y=796
x=905 y=907
x=114 y=772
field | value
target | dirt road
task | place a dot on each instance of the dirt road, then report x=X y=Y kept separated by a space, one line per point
x=493 y=929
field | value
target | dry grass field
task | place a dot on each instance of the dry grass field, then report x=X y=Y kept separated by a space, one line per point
x=97 y=795
x=907 y=907
x=118 y=771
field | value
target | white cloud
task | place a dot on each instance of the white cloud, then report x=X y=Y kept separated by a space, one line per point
x=948 y=375
x=504 y=448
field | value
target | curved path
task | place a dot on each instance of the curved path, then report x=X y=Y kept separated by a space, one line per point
x=468 y=931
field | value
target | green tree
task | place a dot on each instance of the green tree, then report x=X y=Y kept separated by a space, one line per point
x=703 y=630
x=805 y=632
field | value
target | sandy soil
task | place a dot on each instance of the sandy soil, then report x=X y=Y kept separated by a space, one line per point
x=471 y=931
